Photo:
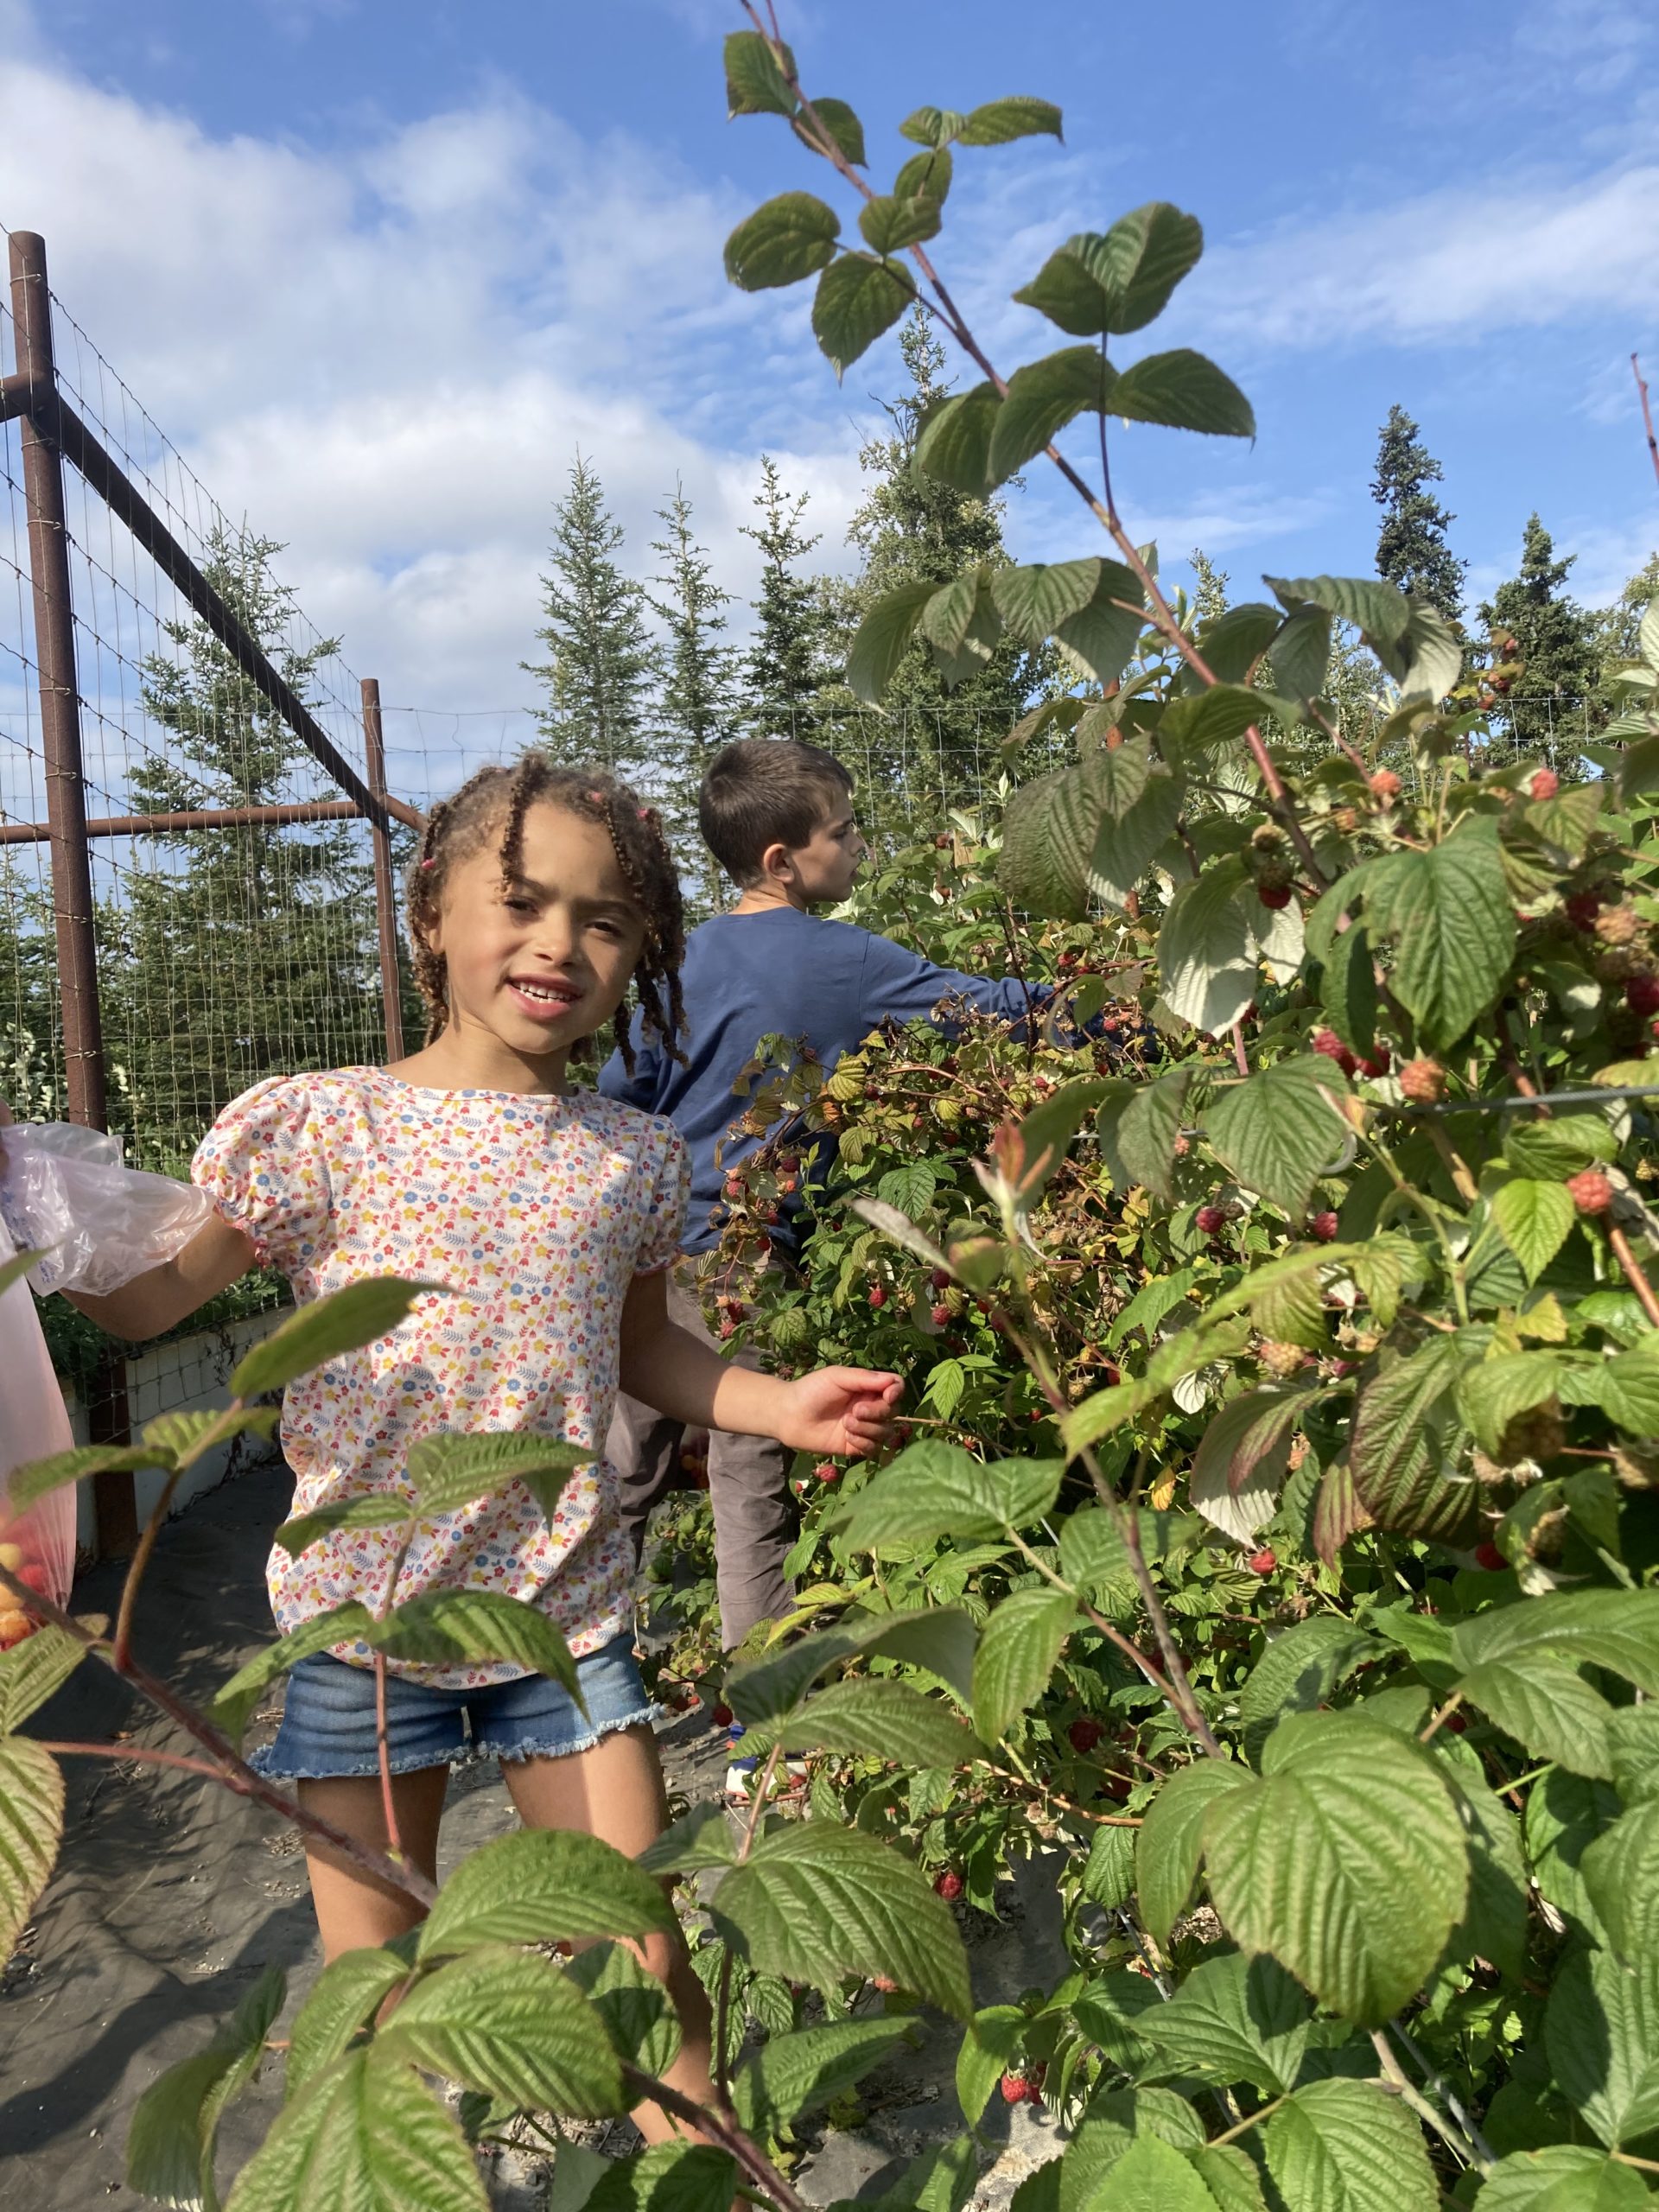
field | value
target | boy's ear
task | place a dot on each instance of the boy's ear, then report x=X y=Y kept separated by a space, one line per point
x=776 y=863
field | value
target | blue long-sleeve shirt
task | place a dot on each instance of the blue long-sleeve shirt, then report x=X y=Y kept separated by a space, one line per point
x=780 y=973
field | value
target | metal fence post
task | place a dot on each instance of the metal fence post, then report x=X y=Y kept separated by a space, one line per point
x=386 y=905
x=66 y=809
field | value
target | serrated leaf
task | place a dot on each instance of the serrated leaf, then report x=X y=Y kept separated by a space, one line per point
x=1279 y=1131
x=941 y=1639
x=326 y=1329
x=1620 y=1871
x=992 y=2041
x=1349 y=992
x=1103 y=632
x=1049 y=840
x=816 y=1902
x=1348 y=2147
x=883 y=639
x=511 y=2025
x=1041 y=399
x=937 y=1490
x=1495 y=1922
x=27 y=1485
x=1565 y=1814
x=1407 y=1446
x=172 y=2134
x=1381 y=610
x=1300 y=651
x=1121 y=279
x=873 y=1719
x=666 y=2177
x=954 y=443
x=1115 y=2120
x=1449 y=913
x=1562 y=2177
x=635 y=2007
x=836 y=118
x=791 y=237
x=1491 y=1392
x=1153 y=2176
x=1535 y=1219
x=1108 y=1871
x=1018 y=1649
x=32 y=1670
x=366 y=2135
x=1182 y=390
x=1034 y=601
x=1601 y=2031
x=932 y=126
x=794 y=2074
x=348 y=1623
x=998 y=123
x=543 y=1885
x=701 y=1837
x=478 y=1627
x=1546 y=1706
x=856 y=300
x=177 y=1438
x=1297 y=1673
x=451 y=1468
x=1206 y=953
x=1171 y=1841
x=925 y=175
x=1234 y=2019
x=1432 y=653
x=755 y=83
x=1616 y=1628
x=1346 y=1862
x=345 y=1997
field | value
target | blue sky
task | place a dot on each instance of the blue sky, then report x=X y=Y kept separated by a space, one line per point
x=380 y=265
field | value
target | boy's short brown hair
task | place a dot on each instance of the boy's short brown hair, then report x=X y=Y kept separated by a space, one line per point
x=765 y=790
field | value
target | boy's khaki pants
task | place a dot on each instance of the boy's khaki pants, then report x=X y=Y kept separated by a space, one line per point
x=749 y=1489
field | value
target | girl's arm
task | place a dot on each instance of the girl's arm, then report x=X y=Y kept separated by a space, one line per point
x=842 y=1412
x=216 y=1256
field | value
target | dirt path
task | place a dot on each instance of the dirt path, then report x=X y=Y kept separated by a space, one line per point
x=172 y=1896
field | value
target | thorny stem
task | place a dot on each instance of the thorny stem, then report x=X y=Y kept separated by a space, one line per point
x=1634 y=1274
x=1394 y=2078
x=1647 y=412
x=748 y=2155
x=1438 y=2085
x=139 y=1754
x=121 y=1653
x=382 y=1733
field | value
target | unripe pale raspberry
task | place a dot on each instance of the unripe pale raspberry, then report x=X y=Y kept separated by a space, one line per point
x=1423 y=1082
x=1615 y=926
x=1385 y=785
x=1590 y=1191
x=1281 y=1359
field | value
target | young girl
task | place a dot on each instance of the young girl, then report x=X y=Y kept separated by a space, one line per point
x=539 y=894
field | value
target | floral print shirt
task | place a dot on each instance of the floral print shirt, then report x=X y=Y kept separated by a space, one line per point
x=538 y=1213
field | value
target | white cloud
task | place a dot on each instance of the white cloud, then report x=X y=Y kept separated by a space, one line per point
x=1596 y=46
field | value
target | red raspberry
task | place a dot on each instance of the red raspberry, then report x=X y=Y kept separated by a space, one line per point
x=1545 y=784
x=734 y=1186
x=1210 y=1221
x=1490 y=1557
x=939 y=1280
x=728 y=1328
x=940 y=1315
x=877 y=1295
x=1456 y=1722
x=827 y=1471
x=1376 y=1062
x=1581 y=909
x=1323 y=1227
x=1328 y=1042
x=1385 y=783
x=1590 y=1192
x=1274 y=895
x=1016 y=2090
x=1262 y=1562
x=721 y=1715
x=948 y=1885
x=1641 y=994
x=789 y=1165
x=1083 y=1734
x=1423 y=1082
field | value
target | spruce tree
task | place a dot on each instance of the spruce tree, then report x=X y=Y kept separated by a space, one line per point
x=1209 y=586
x=1553 y=707
x=1411 y=547
x=784 y=668
x=599 y=655
x=697 y=703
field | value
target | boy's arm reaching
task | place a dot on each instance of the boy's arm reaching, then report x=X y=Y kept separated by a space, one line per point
x=898 y=985
x=841 y=1412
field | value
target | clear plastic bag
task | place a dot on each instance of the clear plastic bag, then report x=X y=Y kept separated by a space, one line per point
x=65 y=1194
x=37 y=1545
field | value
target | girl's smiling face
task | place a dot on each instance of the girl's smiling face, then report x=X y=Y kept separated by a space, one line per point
x=536 y=963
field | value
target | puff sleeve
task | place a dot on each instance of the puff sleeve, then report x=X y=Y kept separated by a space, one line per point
x=263 y=1165
x=668 y=1165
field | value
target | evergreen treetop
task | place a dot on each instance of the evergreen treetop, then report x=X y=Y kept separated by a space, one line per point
x=1411 y=548
x=1556 y=638
x=600 y=654
x=783 y=668
x=696 y=699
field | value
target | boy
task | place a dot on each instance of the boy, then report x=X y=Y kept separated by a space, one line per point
x=778 y=816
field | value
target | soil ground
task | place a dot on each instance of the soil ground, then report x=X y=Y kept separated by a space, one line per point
x=172 y=1896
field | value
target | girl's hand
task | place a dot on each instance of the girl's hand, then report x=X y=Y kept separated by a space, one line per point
x=841 y=1413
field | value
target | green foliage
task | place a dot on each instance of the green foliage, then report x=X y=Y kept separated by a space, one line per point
x=1411 y=548
x=599 y=659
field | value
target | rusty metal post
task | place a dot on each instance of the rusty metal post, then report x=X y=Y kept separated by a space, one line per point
x=385 y=904
x=66 y=809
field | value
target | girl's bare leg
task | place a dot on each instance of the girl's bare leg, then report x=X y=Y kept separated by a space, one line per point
x=614 y=1791
x=353 y=1910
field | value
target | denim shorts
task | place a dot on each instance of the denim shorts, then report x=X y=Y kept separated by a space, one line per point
x=329 y=1730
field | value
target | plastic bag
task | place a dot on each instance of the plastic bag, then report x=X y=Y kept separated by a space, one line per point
x=96 y=1224
x=38 y=1545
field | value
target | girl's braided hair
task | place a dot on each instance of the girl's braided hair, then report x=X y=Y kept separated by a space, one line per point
x=494 y=802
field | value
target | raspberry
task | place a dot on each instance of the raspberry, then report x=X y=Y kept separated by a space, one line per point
x=827 y=1471
x=1274 y=895
x=939 y=1280
x=1324 y=1226
x=1490 y=1557
x=877 y=1295
x=1016 y=2090
x=728 y=1328
x=721 y=1715
x=1641 y=994
x=1262 y=1562
x=1545 y=784
x=939 y=1315
x=734 y=1186
x=1590 y=1192
x=1376 y=1062
x=948 y=1885
x=1083 y=1735
x=1328 y=1042
x=789 y=1163
x=1423 y=1082
x=1283 y=1360
x=1615 y=926
x=1581 y=908
x=1210 y=1221
x=1457 y=1722
x=1385 y=785
x=887 y=1988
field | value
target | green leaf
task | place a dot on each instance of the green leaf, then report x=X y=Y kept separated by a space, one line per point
x=1230 y=2177
x=1348 y=2147
x=856 y=300
x=842 y=125
x=794 y=2074
x=791 y=237
x=1120 y=281
x=1109 y=1872
x=1432 y=652
x=1407 y=1443
x=1049 y=840
x=1381 y=610
x=328 y=1328
x=1448 y=910
x=755 y=83
x=1346 y=1862
x=174 y=2132
x=1535 y=1219
x=1601 y=2031
x=883 y=639
x=666 y=2177
x=1240 y=1466
x=1035 y=601
x=1115 y=2120
x=1148 y=1128
x=451 y=1468
x=345 y=1997
x=636 y=2008
x=890 y=224
x=1633 y=1738
x=1018 y=1649
x=1620 y=1871
x=1349 y=990
x=1491 y=1392
x=1152 y=2176
x=1206 y=953
x=932 y=126
x=926 y=176
x=1278 y=1131
x=1300 y=651
x=938 y=1490
x=1547 y=1707
x=1298 y=1671
x=32 y=1670
x=875 y=1720
x=1495 y=1925
x=1616 y=1628
x=27 y=1485
x=1215 y=717
x=231 y=1708
x=1559 y=1147
x=1102 y=632
x=954 y=443
x=475 y=1627
x=177 y=1438
x=1234 y=2019
x=1562 y=2177
x=1565 y=1815
x=385 y=1509
x=365 y=2134
x=1048 y=1130
x=1182 y=390
x=997 y=122
x=701 y=1837
x=1040 y=400
x=815 y=1902
x=543 y=1885
x=1170 y=1841
x=992 y=2041
x=938 y=1637
x=511 y=2025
